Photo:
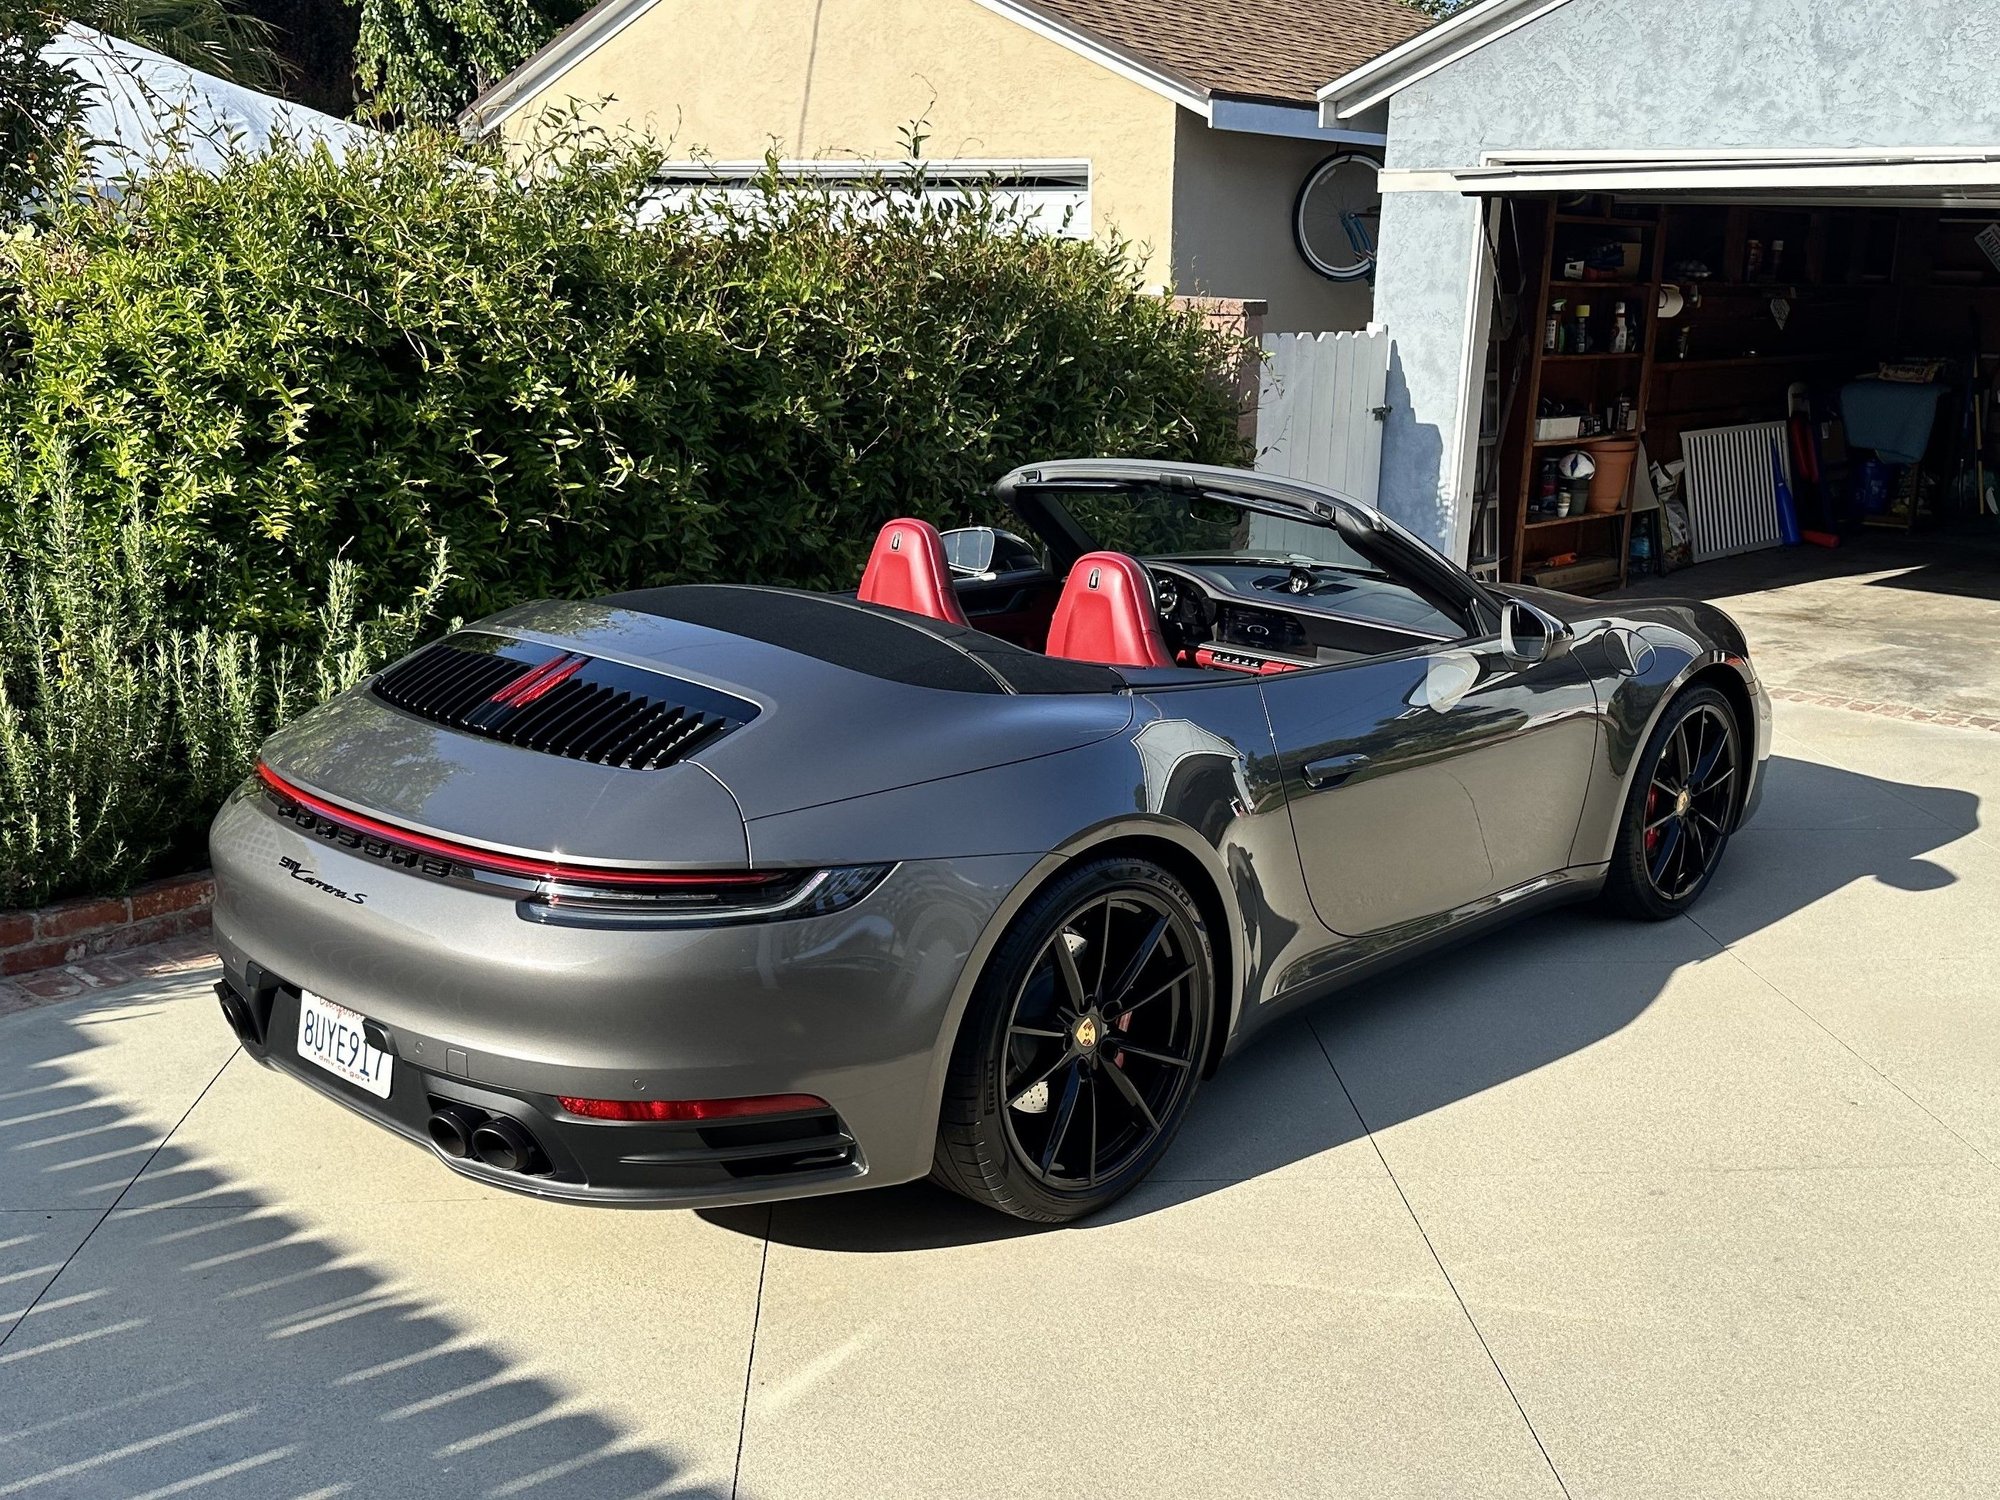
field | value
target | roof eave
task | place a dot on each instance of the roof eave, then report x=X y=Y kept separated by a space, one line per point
x=562 y=52
x=1100 y=49
x=1425 y=53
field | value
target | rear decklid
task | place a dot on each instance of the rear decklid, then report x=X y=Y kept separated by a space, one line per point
x=647 y=727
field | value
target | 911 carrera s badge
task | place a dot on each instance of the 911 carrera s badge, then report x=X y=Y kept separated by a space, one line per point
x=1086 y=1032
x=304 y=876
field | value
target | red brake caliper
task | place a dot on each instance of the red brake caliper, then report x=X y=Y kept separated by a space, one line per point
x=1652 y=833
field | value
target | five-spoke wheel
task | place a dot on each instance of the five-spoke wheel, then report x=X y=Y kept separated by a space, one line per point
x=1084 y=1045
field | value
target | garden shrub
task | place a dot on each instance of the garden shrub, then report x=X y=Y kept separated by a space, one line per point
x=120 y=734
x=226 y=392
x=303 y=356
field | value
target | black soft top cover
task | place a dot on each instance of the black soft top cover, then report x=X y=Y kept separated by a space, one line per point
x=885 y=643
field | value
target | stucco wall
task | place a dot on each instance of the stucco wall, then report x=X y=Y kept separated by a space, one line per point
x=1233 y=198
x=1605 y=75
x=734 y=78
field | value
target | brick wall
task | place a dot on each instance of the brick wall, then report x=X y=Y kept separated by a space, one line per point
x=76 y=930
x=1238 y=318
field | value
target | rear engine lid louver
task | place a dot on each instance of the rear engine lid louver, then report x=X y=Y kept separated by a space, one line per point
x=560 y=702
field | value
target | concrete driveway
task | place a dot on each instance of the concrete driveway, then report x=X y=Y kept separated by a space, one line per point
x=1707 y=1210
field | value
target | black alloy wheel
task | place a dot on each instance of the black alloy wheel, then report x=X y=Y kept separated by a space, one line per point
x=1678 y=819
x=1688 y=802
x=1084 y=1044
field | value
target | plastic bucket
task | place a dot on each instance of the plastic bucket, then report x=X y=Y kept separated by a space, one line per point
x=1873 y=484
x=1615 y=460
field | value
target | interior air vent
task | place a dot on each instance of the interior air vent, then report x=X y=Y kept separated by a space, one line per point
x=560 y=702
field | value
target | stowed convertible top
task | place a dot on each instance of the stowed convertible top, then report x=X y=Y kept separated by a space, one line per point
x=883 y=643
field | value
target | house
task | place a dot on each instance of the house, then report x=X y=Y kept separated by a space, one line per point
x=1786 y=205
x=1185 y=126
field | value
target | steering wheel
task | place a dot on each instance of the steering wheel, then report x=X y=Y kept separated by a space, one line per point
x=1182 y=626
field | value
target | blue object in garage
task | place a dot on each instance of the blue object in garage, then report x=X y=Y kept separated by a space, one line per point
x=1874 y=482
x=1788 y=512
x=1893 y=417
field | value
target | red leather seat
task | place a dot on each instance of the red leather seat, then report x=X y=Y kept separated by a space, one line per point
x=1106 y=614
x=907 y=571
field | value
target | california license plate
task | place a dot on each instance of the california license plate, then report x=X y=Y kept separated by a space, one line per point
x=331 y=1036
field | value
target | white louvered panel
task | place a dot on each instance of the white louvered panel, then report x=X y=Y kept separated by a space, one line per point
x=1731 y=501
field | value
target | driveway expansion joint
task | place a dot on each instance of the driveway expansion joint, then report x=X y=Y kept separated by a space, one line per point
x=1438 y=1260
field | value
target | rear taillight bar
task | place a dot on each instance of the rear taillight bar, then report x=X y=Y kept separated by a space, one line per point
x=564 y=873
x=678 y=1111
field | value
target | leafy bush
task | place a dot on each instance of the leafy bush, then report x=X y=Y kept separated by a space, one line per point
x=249 y=411
x=429 y=59
x=41 y=103
x=119 y=735
x=303 y=356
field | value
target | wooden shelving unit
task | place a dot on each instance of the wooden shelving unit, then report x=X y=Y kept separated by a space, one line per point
x=1594 y=379
x=1860 y=285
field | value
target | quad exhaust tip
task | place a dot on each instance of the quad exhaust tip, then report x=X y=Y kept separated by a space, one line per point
x=451 y=1130
x=505 y=1146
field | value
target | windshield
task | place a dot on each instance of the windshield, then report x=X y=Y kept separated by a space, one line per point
x=1159 y=523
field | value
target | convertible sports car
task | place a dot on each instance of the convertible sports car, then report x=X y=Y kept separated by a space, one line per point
x=714 y=894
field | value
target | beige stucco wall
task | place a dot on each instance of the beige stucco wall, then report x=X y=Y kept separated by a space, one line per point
x=1232 y=234
x=830 y=78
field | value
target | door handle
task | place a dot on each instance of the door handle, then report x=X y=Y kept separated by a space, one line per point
x=1331 y=772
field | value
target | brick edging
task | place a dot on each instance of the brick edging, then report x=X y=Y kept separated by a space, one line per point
x=74 y=930
x=1950 y=718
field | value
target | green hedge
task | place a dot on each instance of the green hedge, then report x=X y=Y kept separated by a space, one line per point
x=303 y=356
x=308 y=374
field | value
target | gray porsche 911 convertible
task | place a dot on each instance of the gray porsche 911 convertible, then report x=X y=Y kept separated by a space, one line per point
x=706 y=895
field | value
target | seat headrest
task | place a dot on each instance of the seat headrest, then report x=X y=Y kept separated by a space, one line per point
x=907 y=571
x=1106 y=614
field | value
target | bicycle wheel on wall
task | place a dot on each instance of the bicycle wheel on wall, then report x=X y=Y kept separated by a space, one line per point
x=1337 y=216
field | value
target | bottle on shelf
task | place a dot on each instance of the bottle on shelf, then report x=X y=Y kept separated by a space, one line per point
x=1552 y=333
x=1579 y=342
x=1621 y=331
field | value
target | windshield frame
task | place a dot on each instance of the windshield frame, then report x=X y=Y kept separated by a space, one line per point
x=1034 y=492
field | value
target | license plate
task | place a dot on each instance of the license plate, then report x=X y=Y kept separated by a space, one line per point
x=331 y=1036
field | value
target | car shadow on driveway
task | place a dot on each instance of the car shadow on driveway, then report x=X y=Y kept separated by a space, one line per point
x=1306 y=1096
x=209 y=1342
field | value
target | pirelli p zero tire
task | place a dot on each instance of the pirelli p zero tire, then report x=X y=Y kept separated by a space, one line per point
x=1680 y=811
x=1082 y=1045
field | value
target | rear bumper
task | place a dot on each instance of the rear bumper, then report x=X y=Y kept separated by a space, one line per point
x=501 y=1015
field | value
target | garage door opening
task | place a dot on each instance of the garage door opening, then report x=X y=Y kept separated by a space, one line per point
x=1665 y=365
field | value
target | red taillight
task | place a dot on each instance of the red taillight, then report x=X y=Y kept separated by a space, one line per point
x=666 y=1111
x=540 y=682
x=514 y=864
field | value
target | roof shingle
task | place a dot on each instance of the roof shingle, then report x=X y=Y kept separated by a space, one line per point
x=1257 y=49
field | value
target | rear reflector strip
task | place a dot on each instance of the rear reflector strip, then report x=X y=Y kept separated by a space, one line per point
x=558 y=872
x=667 y=1111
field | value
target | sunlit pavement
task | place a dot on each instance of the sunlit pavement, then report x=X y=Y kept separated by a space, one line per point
x=1707 y=1209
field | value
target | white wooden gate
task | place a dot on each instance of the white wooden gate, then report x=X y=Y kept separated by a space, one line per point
x=1319 y=410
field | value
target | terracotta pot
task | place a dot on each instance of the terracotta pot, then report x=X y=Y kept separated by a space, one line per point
x=1615 y=460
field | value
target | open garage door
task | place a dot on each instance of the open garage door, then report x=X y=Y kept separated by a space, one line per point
x=1783 y=371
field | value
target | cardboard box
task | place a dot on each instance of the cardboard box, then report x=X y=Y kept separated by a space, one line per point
x=1558 y=429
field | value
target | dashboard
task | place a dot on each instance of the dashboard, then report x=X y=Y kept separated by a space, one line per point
x=1263 y=617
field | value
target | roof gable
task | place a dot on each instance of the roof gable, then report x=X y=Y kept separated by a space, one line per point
x=1186 y=50
x=1376 y=78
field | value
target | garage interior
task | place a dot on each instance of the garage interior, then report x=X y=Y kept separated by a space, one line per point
x=1661 y=366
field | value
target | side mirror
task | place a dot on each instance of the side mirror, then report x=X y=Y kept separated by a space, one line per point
x=969 y=550
x=1529 y=637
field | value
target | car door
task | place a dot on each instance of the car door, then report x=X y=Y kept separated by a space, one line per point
x=1425 y=780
